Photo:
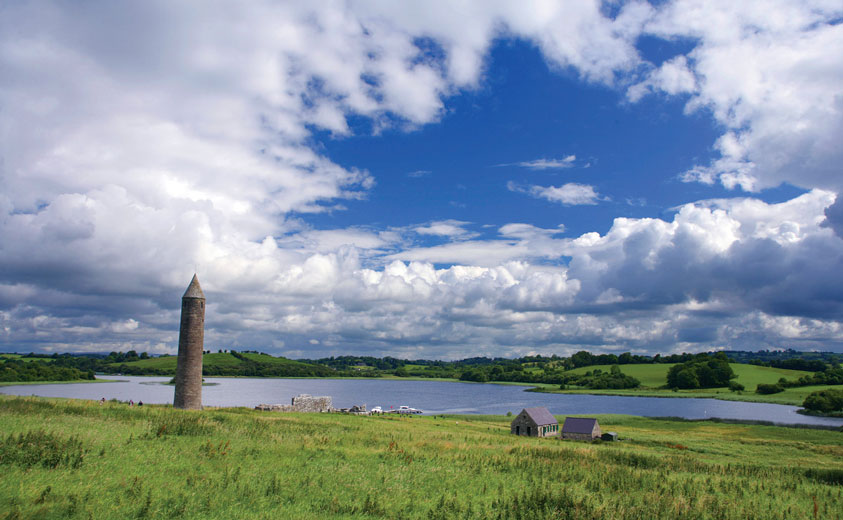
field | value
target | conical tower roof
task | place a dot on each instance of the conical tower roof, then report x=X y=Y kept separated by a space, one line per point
x=194 y=290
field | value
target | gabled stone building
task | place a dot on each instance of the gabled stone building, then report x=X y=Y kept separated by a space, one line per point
x=580 y=429
x=535 y=422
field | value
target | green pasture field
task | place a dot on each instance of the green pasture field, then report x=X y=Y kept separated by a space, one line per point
x=655 y=375
x=16 y=383
x=651 y=376
x=79 y=459
x=751 y=375
x=19 y=357
x=215 y=359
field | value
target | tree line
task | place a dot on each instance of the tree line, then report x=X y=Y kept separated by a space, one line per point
x=16 y=371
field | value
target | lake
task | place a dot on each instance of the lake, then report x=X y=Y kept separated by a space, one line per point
x=433 y=397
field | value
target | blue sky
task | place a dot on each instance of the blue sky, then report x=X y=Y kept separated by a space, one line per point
x=441 y=180
x=459 y=168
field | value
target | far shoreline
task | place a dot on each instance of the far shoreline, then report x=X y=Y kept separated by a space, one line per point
x=74 y=382
x=670 y=394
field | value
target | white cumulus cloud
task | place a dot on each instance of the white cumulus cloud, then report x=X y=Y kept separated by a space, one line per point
x=570 y=194
x=141 y=141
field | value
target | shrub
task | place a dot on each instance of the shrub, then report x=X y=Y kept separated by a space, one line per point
x=598 y=379
x=703 y=371
x=734 y=386
x=474 y=374
x=825 y=401
x=766 y=389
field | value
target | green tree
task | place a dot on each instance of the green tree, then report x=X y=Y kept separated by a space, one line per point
x=825 y=401
x=703 y=371
x=582 y=359
x=764 y=388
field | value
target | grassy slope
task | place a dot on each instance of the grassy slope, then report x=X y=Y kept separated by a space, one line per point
x=218 y=359
x=19 y=357
x=650 y=375
x=751 y=376
x=237 y=463
x=75 y=381
x=653 y=376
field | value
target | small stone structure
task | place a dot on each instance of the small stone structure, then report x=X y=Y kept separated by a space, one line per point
x=535 y=422
x=357 y=409
x=301 y=403
x=580 y=429
x=610 y=436
x=188 y=393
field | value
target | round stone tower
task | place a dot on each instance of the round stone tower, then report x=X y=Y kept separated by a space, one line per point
x=191 y=346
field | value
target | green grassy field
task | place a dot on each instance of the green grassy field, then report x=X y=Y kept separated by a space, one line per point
x=87 y=381
x=19 y=357
x=222 y=359
x=651 y=376
x=78 y=459
x=655 y=375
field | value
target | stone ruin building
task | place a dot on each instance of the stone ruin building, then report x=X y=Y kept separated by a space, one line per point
x=301 y=403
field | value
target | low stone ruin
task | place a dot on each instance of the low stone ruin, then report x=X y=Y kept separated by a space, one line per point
x=301 y=403
x=357 y=409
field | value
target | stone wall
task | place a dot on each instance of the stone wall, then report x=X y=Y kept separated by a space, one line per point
x=275 y=408
x=595 y=434
x=301 y=403
x=310 y=403
x=523 y=425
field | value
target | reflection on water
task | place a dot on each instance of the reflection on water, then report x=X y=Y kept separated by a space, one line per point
x=434 y=397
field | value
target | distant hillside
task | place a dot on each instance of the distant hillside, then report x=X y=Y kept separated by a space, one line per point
x=226 y=364
x=654 y=376
x=14 y=368
x=776 y=357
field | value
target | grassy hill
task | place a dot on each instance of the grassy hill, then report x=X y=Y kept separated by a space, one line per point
x=655 y=375
x=651 y=376
x=20 y=357
x=81 y=459
x=211 y=360
x=246 y=364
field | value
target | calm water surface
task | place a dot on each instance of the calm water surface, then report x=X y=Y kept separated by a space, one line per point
x=434 y=397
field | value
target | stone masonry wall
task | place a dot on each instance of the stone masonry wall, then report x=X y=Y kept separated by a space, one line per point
x=309 y=403
x=301 y=403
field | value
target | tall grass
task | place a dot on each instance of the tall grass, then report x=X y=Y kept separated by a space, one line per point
x=156 y=462
x=40 y=448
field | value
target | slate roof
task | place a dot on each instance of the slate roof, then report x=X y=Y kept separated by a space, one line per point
x=540 y=415
x=578 y=425
x=194 y=290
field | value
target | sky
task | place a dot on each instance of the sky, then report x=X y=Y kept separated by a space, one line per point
x=437 y=180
